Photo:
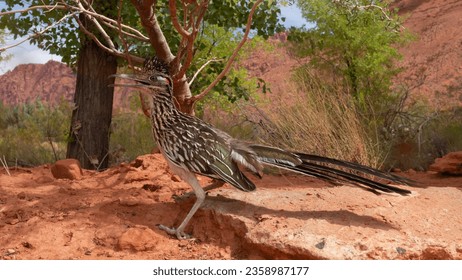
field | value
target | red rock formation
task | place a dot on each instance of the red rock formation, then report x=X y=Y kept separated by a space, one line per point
x=450 y=164
x=51 y=83
x=432 y=63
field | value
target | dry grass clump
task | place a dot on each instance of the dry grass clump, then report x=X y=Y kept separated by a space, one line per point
x=319 y=118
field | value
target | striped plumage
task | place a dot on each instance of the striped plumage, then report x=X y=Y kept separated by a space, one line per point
x=192 y=146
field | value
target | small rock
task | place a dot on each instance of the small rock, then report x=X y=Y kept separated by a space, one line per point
x=44 y=180
x=27 y=245
x=435 y=252
x=10 y=251
x=411 y=171
x=128 y=201
x=21 y=195
x=400 y=250
x=138 y=239
x=33 y=220
x=13 y=221
x=321 y=244
x=67 y=169
x=108 y=236
x=138 y=162
x=361 y=247
x=450 y=164
x=151 y=187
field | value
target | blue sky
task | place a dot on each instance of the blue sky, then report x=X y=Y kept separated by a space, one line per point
x=26 y=53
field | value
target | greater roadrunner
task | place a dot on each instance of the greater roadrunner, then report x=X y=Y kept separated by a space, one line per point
x=191 y=146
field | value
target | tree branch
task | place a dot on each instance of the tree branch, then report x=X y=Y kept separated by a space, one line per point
x=120 y=33
x=202 y=68
x=76 y=10
x=189 y=47
x=149 y=21
x=38 y=33
x=233 y=56
x=39 y=7
x=101 y=30
x=365 y=7
x=112 y=51
x=174 y=16
x=107 y=21
x=115 y=25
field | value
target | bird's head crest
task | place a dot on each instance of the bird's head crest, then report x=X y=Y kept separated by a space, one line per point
x=156 y=64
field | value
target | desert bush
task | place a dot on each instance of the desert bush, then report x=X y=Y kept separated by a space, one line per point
x=230 y=115
x=318 y=118
x=34 y=133
x=131 y=134
x=420 y=134
x=317 y=115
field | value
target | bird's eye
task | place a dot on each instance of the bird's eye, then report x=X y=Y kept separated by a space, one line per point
x=157 y=78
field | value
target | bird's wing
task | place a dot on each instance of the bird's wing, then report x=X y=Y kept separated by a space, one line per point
x=206 y=151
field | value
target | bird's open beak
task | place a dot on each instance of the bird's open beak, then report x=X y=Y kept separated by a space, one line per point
x=140 y=81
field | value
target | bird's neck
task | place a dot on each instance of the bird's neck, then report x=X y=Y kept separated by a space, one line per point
x=163 y=111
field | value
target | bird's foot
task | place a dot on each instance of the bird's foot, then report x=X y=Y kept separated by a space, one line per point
x=173 y=231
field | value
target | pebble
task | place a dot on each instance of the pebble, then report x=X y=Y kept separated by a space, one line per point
x=321 y=244
x=128 y=202
x=400 y=250
x=13 y=221
x=21 y=195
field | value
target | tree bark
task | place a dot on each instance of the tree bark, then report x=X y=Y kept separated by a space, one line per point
x=181 y=90
x=91 y=118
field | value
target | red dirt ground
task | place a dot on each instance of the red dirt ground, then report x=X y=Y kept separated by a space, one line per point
x=113 y=215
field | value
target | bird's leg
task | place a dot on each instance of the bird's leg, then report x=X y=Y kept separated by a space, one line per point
x=200 y=195
x=214 y=185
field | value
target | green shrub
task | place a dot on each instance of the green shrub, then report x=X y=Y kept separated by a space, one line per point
x=131 y=135
x=424 y=134
x=34 y=133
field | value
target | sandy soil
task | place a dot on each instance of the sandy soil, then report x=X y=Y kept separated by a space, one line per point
x=113 y=215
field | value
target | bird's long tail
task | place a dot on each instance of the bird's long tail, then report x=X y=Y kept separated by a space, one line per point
x=330 y=169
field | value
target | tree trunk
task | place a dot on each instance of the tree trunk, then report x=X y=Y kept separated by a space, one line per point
x=91 y=118
x=182 y=94
x=181 y=90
